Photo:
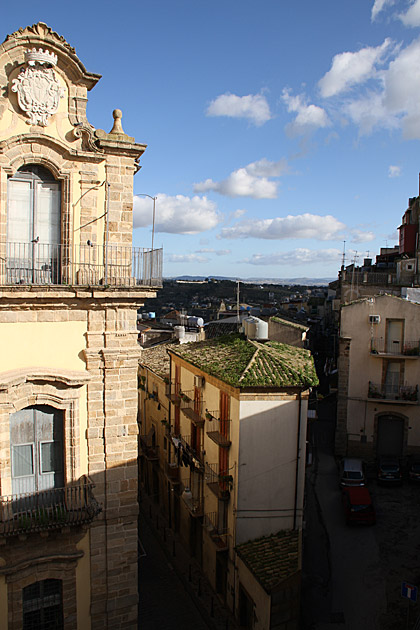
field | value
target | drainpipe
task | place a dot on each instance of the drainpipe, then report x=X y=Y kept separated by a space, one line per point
x=297 y=460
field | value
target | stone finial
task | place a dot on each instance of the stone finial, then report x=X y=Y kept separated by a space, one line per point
x=117 y=128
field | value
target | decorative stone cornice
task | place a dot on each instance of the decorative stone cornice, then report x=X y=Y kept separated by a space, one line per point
x=71 y=378
x=51 y=558
x=41 y=30
x=40 y=35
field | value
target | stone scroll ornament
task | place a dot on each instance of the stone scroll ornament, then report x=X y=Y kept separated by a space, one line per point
x=37 y=88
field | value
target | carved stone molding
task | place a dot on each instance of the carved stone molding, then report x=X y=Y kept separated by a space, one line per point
x=71 y=378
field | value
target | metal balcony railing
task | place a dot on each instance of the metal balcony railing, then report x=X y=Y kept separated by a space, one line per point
x=196 y=455
x=172 y=392
x=192 y=496
x=80 y=265
x=218 y=534
x=402 y=393
x=406 y=348
x=218 y=430
x=48 y=509
x=149 y=449
x=192 y=408
x=218 y=481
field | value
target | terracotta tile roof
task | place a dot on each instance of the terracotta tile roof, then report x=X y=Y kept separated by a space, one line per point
x=157 y=359
x=286 y=322
x=271 y=559
x=244 y=363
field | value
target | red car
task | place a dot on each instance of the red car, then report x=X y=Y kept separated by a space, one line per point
x=358 y=506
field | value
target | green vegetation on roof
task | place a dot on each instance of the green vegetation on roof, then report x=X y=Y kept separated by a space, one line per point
x=271 y=559
x=244 y=363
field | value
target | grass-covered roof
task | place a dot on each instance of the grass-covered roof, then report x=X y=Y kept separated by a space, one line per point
x=246 y=364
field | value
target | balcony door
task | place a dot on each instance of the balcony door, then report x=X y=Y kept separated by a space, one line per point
x=33 y=226
x=36 y=442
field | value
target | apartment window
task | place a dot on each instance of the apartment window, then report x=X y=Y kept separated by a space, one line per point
x=36 y=444
x=33 y=226
x=42 y=605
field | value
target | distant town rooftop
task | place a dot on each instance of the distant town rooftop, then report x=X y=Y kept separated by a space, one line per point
x=271 y=559
x=244 y=363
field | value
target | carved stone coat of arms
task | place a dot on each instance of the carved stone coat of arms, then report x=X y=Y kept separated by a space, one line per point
x=38 y=90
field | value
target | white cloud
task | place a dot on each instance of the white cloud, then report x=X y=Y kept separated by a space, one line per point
x=250 y=181
x=412 y=16
x=394 y=103
x=379 y=6
x=394 y=171
x=176 y=215
x=298 y=256
x=218 y=252
x=254 y=107
x=301 y=226
x=308 y=117
x=360 y=236
x=186 y=258
x=352 y=68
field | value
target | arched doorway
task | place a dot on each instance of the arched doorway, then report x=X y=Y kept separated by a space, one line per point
x=390 y=435
x=33 y=226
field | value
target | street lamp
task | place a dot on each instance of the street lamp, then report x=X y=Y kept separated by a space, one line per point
x=154 y=212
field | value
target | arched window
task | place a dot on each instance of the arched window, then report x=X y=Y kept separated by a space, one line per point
x=33 y=226
x=42 y=604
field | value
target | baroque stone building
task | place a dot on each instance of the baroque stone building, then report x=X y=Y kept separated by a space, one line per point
x=70 y=287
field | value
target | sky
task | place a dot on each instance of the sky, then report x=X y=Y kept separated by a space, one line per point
x=280 y=133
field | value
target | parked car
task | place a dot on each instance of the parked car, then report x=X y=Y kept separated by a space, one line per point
x=358 y=506
x=414 y=471
x=389 y=471
x=352 y=472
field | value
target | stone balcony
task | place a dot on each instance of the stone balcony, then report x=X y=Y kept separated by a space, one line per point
x=47 y=510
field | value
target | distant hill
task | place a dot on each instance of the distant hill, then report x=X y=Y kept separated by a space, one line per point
x=298 y=281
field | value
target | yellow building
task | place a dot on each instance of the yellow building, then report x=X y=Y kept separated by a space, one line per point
x=70 y=286
x=379 y=376
x=223 y=437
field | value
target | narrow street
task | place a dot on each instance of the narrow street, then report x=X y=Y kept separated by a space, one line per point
x=164 y=602
x=344 y=585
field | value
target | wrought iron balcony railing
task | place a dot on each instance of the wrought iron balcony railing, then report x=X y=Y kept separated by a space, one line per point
x=402 y=393
x=196 y=455
x=172 y=392
x=217 y=533
x=219 y=481
x=192 y=408
x=218 y=430
x=192 y=496
x=149 y=449
x=80 y=265
x=406 y=348
x=48 y=509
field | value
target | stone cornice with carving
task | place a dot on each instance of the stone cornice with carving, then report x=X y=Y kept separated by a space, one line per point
x=71 y=378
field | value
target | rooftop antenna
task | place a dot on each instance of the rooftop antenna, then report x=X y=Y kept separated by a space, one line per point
x=343 y=262
x=352 y=275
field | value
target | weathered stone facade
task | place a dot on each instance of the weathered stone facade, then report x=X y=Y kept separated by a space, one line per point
x=68 y=305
